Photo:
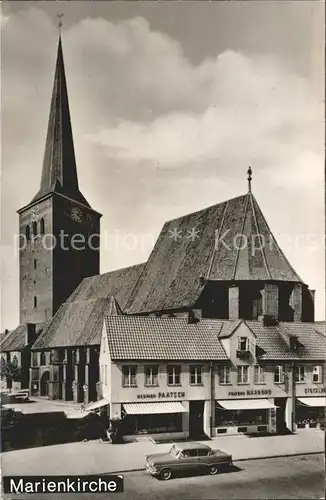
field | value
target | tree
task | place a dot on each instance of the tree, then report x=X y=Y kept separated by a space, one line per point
x=10 y=370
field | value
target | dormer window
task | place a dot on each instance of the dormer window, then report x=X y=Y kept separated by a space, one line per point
x=243 y=344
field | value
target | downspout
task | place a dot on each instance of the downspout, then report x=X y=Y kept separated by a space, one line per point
x=212 y=396
x=293 y=394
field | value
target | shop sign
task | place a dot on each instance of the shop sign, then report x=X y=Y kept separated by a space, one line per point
x=162 y=395
x=314 y=390
x=253 y=392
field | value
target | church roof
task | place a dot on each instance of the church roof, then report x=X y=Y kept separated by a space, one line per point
x=141 y=338
x=77 y=323
x=230 y=241
x=118 y=283
x=16 y=339
x=59 y=173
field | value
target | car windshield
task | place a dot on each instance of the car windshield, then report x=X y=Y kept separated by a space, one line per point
x=174 y=452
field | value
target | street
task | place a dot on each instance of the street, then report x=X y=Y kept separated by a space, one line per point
x=276 y=478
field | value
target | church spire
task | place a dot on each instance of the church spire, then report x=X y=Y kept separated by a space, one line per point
x=59 y=173
x=249 y=172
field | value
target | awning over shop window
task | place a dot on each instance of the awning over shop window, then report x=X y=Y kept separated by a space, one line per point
x=246 y=404
x=316 y=402
x=153 y=408
x=96 y=404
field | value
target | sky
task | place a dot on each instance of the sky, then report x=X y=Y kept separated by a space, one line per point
x=170 y=103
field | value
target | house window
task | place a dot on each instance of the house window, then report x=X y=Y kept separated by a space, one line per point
x=42 y=226
x=151 y=375
x=243 y=377
x=299 y=374
x=195 y=375
x=259 y=375
x=35 y=302
x=14 y=361
x=243 y=344
x=174 y=372
x=28 y=233
x=129 y=376
x=34 y=359
x=317 y=374
x=278 y=375
x=225 y=375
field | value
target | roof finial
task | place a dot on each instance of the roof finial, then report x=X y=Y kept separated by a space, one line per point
x=249 y=172
x=60 y=16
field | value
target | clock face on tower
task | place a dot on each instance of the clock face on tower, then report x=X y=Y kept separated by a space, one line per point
x=76 y=214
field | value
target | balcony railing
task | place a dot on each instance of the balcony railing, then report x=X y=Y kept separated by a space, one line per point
x=243 y=353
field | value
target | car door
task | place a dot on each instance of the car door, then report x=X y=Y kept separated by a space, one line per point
x=202 y=459
x=189 y=460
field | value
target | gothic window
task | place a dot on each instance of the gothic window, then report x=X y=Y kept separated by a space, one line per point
x=42 y=226
x=15 y=361
x=28 y=233
x=35 y=302
x=34 y=228
x=43 y=359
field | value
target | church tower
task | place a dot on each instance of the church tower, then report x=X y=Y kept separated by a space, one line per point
x=59 y=230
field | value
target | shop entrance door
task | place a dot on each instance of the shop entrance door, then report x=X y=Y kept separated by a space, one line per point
x=280 y=416
x=196 y=417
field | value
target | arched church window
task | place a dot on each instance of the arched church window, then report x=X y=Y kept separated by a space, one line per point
x=28 y=233
x=43 y=359
x=42 y=226
x=34 y=228
x=35 y=302
x=15 y=360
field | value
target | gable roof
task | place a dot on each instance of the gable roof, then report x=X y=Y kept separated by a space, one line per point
x=118 y=283
x=275 y=341
x=205 y=244
x=76 y=323
x=16 y=339
x=144 y=337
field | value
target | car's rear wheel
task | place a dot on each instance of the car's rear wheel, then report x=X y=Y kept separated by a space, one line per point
x=213 y=470
x=165 y=474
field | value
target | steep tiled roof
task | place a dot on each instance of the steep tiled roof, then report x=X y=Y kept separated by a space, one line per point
x=205 y=243
x=275 y=340
x=76 y=323
x=16 y=339
x=140 y=338
x=118 y=283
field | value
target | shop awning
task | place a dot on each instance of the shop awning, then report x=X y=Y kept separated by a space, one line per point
x=317 y=402
x=154 y=408
x=96 y=404
x=246 y=404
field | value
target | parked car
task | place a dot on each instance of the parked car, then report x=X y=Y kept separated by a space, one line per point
x=187 y=456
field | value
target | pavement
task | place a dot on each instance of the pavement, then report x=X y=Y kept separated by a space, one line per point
x=43 y=405
x=94 y=457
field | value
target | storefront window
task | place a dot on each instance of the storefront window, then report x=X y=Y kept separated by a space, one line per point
x=230 y=418
x=317 y=374
x=278 y=375
x=195 y=375
x=309 y=415
x=224 y=373
x=259 y=375
x=174 y=372
x=151 y=375
x=129 y=376
x=299 y=374
x=152 y=424
x=243 y=377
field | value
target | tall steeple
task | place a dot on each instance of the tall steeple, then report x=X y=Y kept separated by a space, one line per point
x=59 y=173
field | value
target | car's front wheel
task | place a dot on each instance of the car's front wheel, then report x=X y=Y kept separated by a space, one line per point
x=165 y=474
x=213 y=470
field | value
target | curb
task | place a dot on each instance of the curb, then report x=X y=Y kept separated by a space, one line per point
x=234 y=461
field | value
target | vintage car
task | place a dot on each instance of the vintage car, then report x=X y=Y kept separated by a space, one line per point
x=184 y=457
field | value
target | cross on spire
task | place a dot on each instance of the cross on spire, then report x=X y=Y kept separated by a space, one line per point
x=60 y=16
x=249 y=172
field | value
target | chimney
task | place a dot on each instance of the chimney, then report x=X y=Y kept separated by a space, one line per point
x=312 y=293
x=193 y=316
x=30 y=336
x=6 y=331
x=234 y=302
x=270 y=303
